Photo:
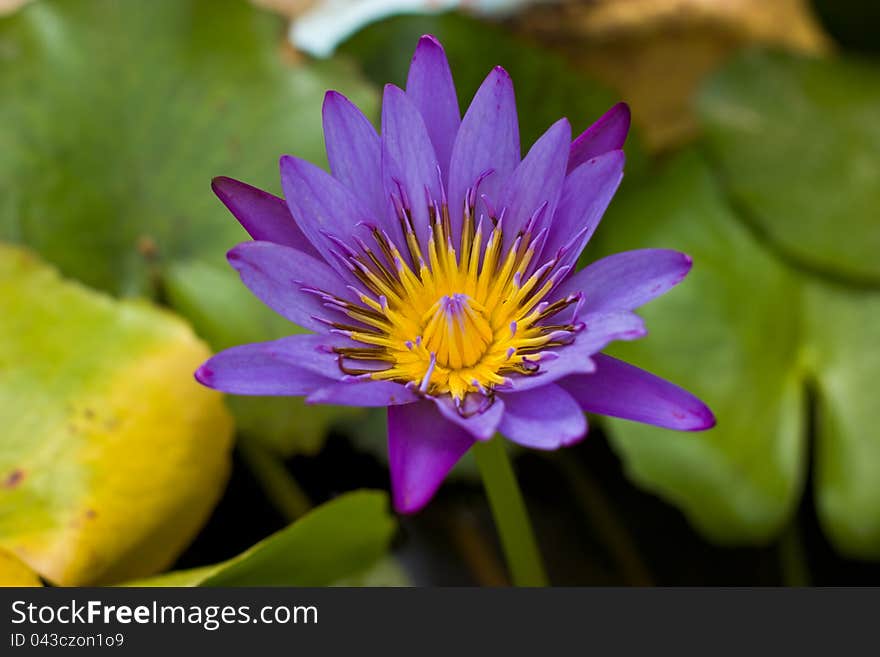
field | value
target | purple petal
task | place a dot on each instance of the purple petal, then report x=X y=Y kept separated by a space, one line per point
x=431 y=89
x=546 y=418
x=287 y=367
x=488 y=140
x=422 y=449
x=625 y=281
x=321 y=206
x=263 y=215
x=354 y=151
x=537 y=181
x=586 y=194
x=280 y=277
x=621 y=390
x=600 y=330
x=363 y=392
x=408 y=159
x=481 y=424
x=606 y=134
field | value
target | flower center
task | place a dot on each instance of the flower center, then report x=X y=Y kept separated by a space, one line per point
x=456 y=331
x=451 y=321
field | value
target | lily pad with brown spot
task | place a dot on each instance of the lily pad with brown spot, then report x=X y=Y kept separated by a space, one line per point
x=111 y=456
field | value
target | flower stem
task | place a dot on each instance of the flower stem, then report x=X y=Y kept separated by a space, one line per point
x=280 y=488
x=793 y=558
x=509 y=511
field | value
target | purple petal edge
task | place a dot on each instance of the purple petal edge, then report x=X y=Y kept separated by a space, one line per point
x=430 y=86
x=353 y=151
x=422 y=448
x=291 y=366
x=545 y=418
x=622 y=390
x=627 y=280
x=365 y=393
x=608 y=133
x=263 y=215
x=487 y=143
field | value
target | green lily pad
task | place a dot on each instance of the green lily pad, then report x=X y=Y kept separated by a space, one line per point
x=844 y=334
x=730 y=334
x=749 y=335
x=547 y=87
x=341 y=539
x=117 y=115
x=798 y=145
x=112 y=456
x=386 y=572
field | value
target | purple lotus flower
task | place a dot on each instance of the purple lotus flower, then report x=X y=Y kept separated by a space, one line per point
x=436 y=269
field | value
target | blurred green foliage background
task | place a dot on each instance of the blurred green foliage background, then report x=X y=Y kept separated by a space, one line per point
x=114 y=117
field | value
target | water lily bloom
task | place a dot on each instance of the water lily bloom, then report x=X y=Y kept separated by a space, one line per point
x=436 y=269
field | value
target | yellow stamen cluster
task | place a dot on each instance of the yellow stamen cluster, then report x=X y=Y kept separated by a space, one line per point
x=459 y=322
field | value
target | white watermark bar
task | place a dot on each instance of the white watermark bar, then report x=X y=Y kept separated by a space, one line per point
x=462 y=621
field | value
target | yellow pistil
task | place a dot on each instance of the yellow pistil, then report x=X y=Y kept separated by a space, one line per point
x=449 y=323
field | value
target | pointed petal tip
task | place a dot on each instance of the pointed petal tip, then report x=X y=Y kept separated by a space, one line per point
x=422 y=449
x=622 y=110
x=687 y=263
x=229 y=189
x=222 y=186
x=700 y=419
x=393 y=97
x=430 y=38
x=233 y=255
x=621 y=116
x=331 y=96
x=618 y=389
x=426 y=44
x=291 y=164
x=499 y=76
x=406 y=505
x=218 y=184
x=204 y=375
x=608 y=133
x=563 y=126
x=335 y=103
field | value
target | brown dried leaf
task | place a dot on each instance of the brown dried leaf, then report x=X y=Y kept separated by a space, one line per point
x=656 y=52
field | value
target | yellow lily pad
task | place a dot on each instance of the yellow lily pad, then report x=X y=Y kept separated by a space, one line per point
x=14 y=573
x=112 y=456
